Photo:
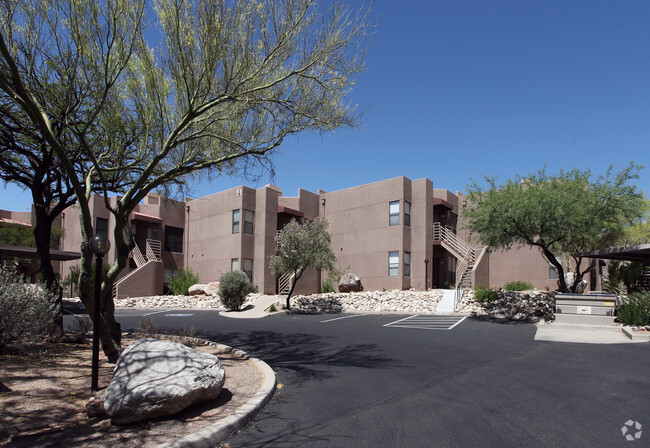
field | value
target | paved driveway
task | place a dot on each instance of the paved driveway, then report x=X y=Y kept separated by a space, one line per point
x=356 y=382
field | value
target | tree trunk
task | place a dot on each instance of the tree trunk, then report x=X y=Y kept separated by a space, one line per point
x=42 y=236
x=293 y=286
x=550 y=257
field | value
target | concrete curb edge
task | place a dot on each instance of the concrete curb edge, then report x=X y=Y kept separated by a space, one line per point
x=212 y=435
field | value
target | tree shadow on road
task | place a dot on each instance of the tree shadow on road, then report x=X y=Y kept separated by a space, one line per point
x=305 y=355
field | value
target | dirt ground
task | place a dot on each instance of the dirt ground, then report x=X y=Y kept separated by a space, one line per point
x=49 y=386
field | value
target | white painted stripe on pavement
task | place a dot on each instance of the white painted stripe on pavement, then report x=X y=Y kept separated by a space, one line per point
x=339 y=318
x=401 y=320
x=155 y=312
x=457 y=323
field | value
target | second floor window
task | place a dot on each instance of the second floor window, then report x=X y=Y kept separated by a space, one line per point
x=249 y=218
x=407 y=214
x=235 y=221
x=101 y=228
x=173 y=239
x=393 y=213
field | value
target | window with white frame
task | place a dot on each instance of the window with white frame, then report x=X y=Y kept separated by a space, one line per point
x=248 y=268
x=393 y=264
x=235 y=221
x=407 y=264
x=407 y=214
x=249 y=218
x=234 y=264
x=393 y=213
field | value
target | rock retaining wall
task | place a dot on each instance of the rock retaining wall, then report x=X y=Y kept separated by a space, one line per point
x=380 y=301
x=528 y=306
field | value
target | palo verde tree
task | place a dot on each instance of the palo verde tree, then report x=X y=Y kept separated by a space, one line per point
x=214 y=88
x=564 y=215
x=301 y=246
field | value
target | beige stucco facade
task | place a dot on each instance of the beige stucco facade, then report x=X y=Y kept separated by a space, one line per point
x=382 y=231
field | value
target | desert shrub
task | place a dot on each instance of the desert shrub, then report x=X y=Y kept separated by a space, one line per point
x=518 y=285
x=634 y=309
x=483 y=294
x=180 y=282
x=327 y=286
x=27 y=311
x=234 y=286
x=147 y=328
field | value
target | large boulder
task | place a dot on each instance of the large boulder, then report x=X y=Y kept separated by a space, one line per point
x=197 y=289
x=350 y=283
x=212 y=289
x=154 y=378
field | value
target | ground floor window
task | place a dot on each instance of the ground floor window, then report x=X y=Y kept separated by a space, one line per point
x=393 y=264
x=407 y=264
x=234 y=264
x=248 y=268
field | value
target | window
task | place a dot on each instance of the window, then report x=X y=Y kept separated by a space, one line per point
x=249 y=217
x=393 y=264
x=393 y=213
x=407 y=214
x=101 y=227
x=235 y=221
x=234 y=264
x=552 y=272
x=407 y=264
x=248 y=268
x=173 y=239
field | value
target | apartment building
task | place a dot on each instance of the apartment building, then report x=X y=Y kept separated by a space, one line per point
x=394 y=234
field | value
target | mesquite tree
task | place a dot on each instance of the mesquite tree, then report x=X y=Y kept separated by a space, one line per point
x=301 y=246
x=214 y=88
x=564 y=216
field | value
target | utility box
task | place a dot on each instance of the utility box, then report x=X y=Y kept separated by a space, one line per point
x=585 y=308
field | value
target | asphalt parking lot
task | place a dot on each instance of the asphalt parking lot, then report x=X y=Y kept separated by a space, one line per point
x=376 y=380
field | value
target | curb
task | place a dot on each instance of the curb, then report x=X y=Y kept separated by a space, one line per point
x=212 y=435
x=629 y=332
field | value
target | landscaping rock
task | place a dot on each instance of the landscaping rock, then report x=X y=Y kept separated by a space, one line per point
x=95 y=406
x=212 y=288
x=526 y=306
x=197 y=289
x=155 y=378
x=382 y=301
x=350 y=283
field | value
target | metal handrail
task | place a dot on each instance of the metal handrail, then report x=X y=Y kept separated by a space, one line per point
x=154 y=250
x=137 y=256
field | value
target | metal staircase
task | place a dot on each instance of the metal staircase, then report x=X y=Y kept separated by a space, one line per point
x=460 y=249
x=153 y=253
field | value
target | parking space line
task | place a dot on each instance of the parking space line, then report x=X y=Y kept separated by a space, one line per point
x=427 y=322
x=155 y=312
x=344 y=317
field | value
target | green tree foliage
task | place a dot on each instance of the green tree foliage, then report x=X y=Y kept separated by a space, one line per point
x=21 y=236
x=639 y=231
x=216 y=88
x=234 y=286
x=301 y=246
x=564 y=215
x=180 y=282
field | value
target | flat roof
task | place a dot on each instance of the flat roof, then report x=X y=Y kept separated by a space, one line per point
x=30 y=252
x=628 y=253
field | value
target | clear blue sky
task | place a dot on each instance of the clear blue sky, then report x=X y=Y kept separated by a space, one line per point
x=459 y=89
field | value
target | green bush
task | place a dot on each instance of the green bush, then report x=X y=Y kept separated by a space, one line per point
x=234 y=286
x=483 y=294
x=634 y=310
x=180 y=282
x=327 y=286
x=518 y=285
x=27 y=311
